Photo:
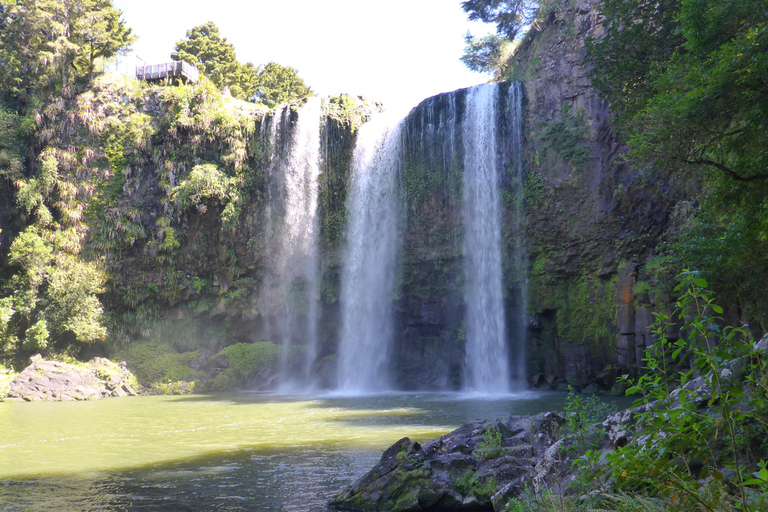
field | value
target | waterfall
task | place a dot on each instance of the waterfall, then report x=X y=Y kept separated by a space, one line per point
x=519 y=250
x=369 y=259
x=293 y=245
x=487 y=360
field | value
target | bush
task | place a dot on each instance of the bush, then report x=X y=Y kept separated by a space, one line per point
x=245 y=359
x=696 y=446
x=157 y=363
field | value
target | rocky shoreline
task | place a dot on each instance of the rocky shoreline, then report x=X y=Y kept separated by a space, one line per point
x=54 y=380
x=482 y=465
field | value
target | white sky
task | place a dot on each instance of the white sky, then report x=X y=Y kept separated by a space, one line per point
x=394 y=51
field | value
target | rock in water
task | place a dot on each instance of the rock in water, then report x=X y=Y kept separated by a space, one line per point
x=478 y=466
x=54 y=380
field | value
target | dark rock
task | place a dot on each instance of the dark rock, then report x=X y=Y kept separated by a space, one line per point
x=448 y=473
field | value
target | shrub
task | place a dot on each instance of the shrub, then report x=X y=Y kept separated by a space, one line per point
x=697 y=446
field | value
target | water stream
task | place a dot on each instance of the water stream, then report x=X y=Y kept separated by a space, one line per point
x=292 y=248
x=369 y=258
x=487 y=360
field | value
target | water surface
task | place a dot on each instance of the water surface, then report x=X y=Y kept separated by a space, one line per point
x=224 y=452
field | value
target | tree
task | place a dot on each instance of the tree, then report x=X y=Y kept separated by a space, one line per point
x=487 y=54
x=687 y=79
x=45 y=44
x=216 y=59
x=276 y=84
x=510 y=16
x=687 y=84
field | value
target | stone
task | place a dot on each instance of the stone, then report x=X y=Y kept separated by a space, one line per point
x=54 y=380
x=438 y=477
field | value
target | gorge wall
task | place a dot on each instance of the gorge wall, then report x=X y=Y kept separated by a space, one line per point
x=190 y=197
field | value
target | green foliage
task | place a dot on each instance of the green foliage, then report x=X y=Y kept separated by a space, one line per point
x=548 y=501
x=216 y=59
x=488 y=54
x=510 y=16
x=245 y=359
x=585 y=304
x=12 y=147
x=271 y=84
x=48 y=44
x=36 y=337
x=581 y=414
x=8 y=338
x=490 y=446
x=533 y=189
x=468 y=484
x=54 y=290
x=157 y=363
x=699 y=455
x=567 y=138
x=207 y=182
x=276 y=84
x=686 y=78
x=6 y=377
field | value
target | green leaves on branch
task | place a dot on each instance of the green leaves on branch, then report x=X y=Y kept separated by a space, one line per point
x=488 y=54
x=510 y=16
x=46 y=44
x=687 y=80
x=696 y=445
x=206 y=182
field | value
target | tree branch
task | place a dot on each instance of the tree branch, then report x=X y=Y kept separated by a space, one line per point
x=728 y=171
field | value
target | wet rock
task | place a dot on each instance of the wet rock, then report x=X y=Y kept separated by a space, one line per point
x=452 y=473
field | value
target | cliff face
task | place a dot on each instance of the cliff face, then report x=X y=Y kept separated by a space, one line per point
x=589 y=220
x=182 y=210
x=592 y=218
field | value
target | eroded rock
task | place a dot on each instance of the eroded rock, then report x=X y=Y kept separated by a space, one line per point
x=54 y=380
x=463 y=470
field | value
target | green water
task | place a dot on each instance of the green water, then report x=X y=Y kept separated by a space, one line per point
x=225 y=452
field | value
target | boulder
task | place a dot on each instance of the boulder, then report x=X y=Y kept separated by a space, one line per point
x=54 y=380
x=479 y=466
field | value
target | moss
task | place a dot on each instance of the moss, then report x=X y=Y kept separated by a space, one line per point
x=157 y=363
x=6 y=376
x=245 y=359
x=585 y=304
x=468 y=484
x=408 y=489
x=567 y=137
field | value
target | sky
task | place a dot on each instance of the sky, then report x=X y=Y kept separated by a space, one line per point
x=397 y=52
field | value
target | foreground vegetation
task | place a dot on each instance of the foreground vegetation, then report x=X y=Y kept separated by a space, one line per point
x=700 y=435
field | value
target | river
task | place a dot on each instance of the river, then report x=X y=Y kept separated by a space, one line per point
x=217 y=452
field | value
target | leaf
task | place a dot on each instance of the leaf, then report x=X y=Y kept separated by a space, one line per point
x=717 y=309
x=701 y=283
x=674 y=498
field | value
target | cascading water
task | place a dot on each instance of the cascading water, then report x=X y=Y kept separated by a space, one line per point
x=293 y=244
x=369 y=259
x=519 y=251
x=487 y=359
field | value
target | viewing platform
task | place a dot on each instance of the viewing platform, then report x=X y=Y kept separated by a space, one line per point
x=184 y=71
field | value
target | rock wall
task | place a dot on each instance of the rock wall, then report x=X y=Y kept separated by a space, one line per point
x=592 y=217
x=197 y=276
